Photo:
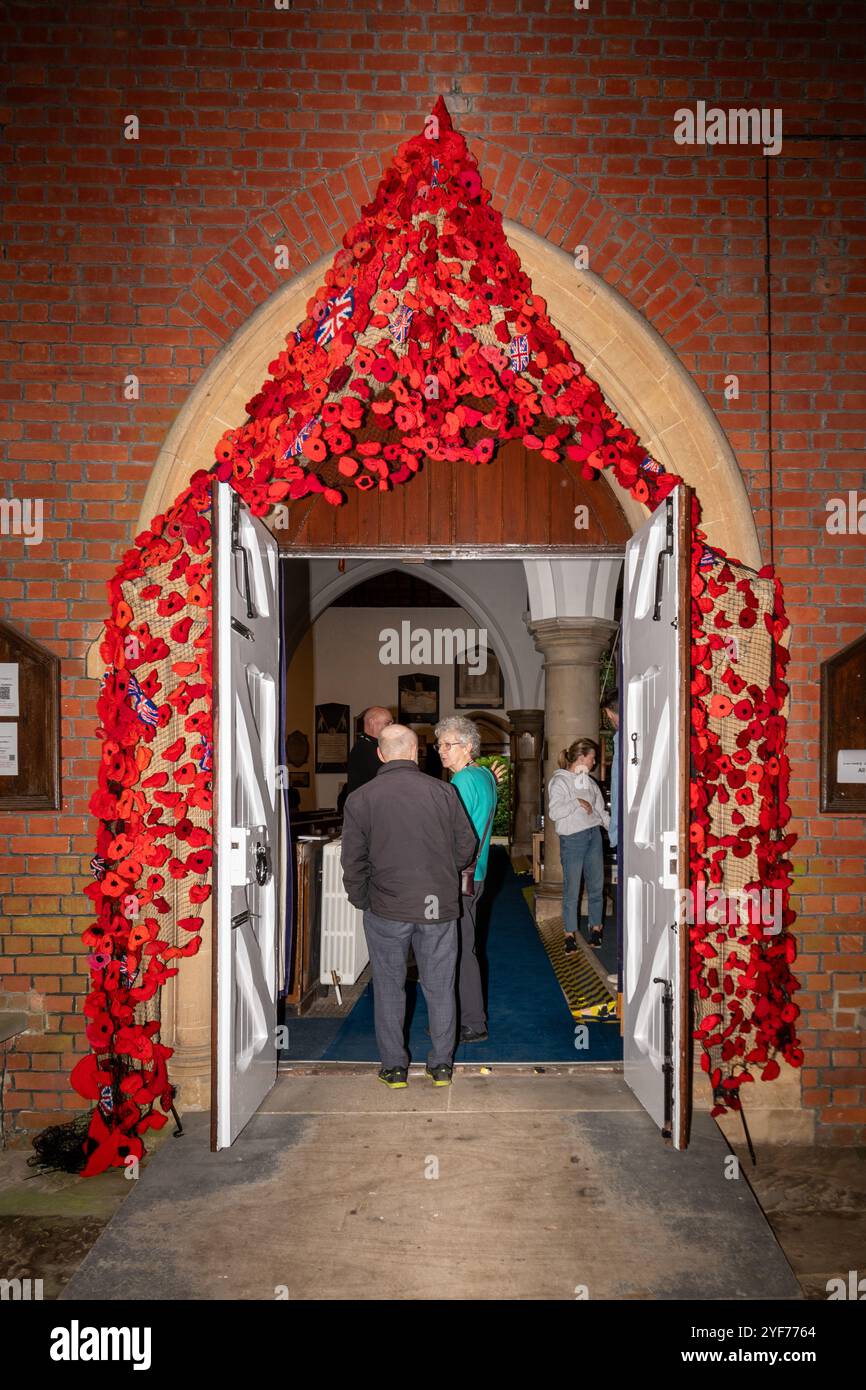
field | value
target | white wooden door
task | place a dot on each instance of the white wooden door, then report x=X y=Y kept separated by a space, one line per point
x=655 y=795
x=246 y=637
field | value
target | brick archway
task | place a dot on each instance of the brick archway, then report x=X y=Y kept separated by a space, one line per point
x=246 y=307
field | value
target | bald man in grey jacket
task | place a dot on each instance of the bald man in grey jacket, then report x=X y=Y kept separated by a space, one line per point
x=406 y=836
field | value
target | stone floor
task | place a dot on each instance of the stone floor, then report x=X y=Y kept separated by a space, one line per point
x=815 y=1201
x=546 y=1182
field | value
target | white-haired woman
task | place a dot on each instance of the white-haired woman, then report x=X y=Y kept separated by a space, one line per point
x=459 y=743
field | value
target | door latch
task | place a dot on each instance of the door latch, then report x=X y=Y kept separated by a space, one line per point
x=668 y=1064
x=662 y=555
x=263 y=864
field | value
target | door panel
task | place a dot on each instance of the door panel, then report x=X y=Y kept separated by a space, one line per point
x=246 y=814
x=655 y=753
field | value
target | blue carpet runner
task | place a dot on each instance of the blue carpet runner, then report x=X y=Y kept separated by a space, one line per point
x=528 y=1016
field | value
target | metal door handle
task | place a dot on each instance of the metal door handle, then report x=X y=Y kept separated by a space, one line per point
x=263 y=864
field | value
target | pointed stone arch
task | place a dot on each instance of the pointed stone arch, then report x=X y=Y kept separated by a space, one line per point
x=639 y=373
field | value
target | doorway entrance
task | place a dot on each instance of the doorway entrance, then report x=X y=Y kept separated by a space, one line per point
x=427 y=638
x=638 y=373
x=654 y=594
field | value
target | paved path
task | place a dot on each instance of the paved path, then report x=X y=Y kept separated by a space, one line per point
x=548 y=1186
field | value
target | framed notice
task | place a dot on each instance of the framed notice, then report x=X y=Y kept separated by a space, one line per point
x=843 y=730
x=474 y=690
x=29 y=724
x=418 y=699
x=297 y=748
x=8 y=748
x=9 y=672
x=332 y=738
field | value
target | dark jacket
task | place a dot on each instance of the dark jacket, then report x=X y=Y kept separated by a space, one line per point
x=364 y=763
x=406 y=837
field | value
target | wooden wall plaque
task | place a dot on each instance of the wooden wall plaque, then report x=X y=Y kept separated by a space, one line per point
x=843 y=730
x=29 y=724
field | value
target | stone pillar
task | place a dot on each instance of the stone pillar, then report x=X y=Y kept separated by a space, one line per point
x=572 y=649
x=527 y=727
x=186 y=1023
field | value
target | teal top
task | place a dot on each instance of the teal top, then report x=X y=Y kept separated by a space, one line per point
x=476 y=787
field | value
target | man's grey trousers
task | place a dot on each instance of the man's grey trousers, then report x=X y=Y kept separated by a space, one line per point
x=435 y=948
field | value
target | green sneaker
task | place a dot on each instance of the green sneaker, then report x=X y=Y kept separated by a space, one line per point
x=440 y=1076
x=394 y=1077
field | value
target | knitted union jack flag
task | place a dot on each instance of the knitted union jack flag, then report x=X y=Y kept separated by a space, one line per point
x=649 y=465
x=435 y=181
x=204 y=755
x=338 y=312
x=144 y=708
x=708 y=558
x=400 y=323
x=297 y=443
x=518 y=351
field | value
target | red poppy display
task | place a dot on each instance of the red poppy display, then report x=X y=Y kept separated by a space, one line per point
x=426 y=329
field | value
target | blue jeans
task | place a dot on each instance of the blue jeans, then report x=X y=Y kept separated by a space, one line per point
x=582 y=853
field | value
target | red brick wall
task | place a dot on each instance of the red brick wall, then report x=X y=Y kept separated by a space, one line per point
x=260 y=125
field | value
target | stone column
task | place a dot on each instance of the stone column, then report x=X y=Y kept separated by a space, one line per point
x=186 y=1023
x=572 y=649
x=527 y=727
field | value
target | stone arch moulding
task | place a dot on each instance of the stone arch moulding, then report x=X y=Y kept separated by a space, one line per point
x=642 y=378
x=640 y=375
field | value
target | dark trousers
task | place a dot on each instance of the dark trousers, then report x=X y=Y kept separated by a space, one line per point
x=471 y=995
x=435 y=947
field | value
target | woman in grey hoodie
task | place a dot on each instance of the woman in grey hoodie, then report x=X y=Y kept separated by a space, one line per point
x=575 y=804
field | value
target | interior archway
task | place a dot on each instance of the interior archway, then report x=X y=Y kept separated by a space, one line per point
x=448 y=584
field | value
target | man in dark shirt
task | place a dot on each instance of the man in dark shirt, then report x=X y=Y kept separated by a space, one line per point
x=364 y=757
x=406 y=837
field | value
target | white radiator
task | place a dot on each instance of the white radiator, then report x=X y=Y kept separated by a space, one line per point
x=343 y=944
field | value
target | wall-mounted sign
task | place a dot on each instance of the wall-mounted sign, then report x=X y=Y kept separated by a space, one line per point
x=8 y=750
x=851 y=765
x=297 y=748
x=479 y=691
x=418 y=699
x=29 y=724
x=8 y=688
x=843 y=730
x=332 y=737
